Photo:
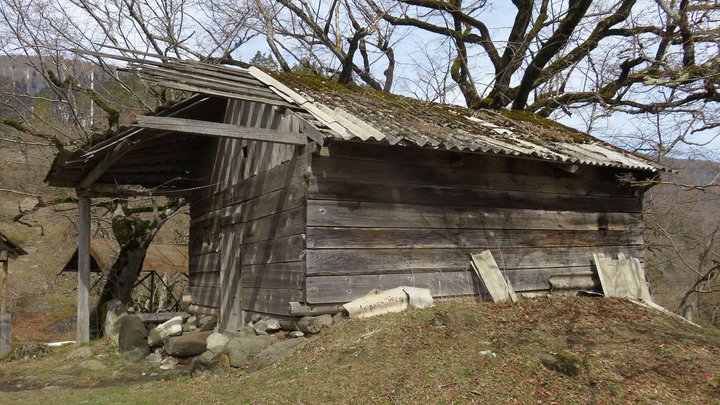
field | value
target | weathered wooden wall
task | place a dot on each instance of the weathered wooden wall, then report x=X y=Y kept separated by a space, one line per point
x=381 y=217
x=248 y=217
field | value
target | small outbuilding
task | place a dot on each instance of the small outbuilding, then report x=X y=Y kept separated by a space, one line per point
x=8 y=251
x=305 y=194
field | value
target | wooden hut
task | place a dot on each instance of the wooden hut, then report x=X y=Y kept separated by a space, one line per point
x=8 y=251
x=306 y=194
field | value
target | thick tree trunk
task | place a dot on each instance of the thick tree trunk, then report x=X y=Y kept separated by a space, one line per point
x=124 y=274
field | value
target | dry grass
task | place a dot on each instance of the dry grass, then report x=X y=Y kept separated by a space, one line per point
x=434 y=355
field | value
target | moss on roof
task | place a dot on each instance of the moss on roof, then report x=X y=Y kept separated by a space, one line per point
x=401 y=116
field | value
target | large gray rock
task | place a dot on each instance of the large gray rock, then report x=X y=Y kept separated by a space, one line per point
x=206 y=361
x=132 y=338
x=172 y=327
x=277 y=352
x=188 y=345
x=243 y=348
x=115 y=311
x=308 y=324
x=216 y=343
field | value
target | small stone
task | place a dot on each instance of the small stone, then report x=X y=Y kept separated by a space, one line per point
x=487 y=353
x=154 y=357
x=325 y=320
x=337 y=318
x=216 y=343
x=92 y=365
x=82 y=352
x=207 y=322
x=296 y=334
x=255 y=318
x=169 y=363
x=563 y=362
x=192 y=320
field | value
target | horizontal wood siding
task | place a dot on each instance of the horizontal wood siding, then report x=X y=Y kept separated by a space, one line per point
x=248 y=217
x=382 y=217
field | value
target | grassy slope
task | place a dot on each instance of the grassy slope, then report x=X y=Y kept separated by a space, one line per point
x=433 y=356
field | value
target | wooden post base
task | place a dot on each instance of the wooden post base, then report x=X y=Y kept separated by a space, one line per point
x=5 y=332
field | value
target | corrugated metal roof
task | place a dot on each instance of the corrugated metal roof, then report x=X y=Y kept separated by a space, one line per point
x=363 y=114
x=358 y=113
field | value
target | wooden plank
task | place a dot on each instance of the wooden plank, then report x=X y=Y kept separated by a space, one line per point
x=388 y=238
x=5 y=283
x=205 y=296
x=376 y=261
x=209 y=262
x=5 y=333
x=83 y=275
x=285 y=223
x=274 y=275
x=492 y=278
x=287 y=249
x=332 y=289
x=378 y=214
x=101 y=167
x=271 y=300
x=344 y=190
x=276 y=178
x=207 y=128
x=392 y=171
x=284 y=199
x=341 y=289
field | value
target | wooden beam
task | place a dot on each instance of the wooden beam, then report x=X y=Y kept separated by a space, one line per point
x=216 y=129
x=83 y=288
x=96 y=172
x=130 y=190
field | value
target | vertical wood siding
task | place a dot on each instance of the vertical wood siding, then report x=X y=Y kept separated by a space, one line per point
x=248 y=217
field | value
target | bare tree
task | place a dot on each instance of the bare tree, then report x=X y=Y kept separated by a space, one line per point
x=82 y=98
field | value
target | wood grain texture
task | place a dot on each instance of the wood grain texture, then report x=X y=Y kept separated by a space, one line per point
x=341 y=289
x=469 y=175
x=358 y=214
x=376 y=261
x=448 y=238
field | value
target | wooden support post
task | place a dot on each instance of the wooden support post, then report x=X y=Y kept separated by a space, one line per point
x=83 y=287
x=4 y=287
x=5 y=321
